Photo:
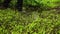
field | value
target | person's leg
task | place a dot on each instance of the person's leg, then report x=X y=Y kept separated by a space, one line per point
x=6 y=3
x=19 y=5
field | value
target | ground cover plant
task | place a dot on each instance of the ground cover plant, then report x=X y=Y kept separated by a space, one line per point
x=35 y=21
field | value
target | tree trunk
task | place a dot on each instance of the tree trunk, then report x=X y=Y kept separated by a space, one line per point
x=19 y=5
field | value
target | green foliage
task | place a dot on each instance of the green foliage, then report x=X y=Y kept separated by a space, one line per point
x=33 y=22
x=42 y=3
x=13 y=3
x=13 y=22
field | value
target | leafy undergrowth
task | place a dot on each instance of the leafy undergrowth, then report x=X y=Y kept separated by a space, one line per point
x=14 y=22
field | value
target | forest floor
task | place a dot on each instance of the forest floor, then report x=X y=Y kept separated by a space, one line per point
x=33 y=22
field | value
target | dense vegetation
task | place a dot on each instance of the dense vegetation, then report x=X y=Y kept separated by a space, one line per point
x=34 y=19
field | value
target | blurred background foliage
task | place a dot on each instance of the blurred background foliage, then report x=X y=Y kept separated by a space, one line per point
x=49 y=3
x=31 y=22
